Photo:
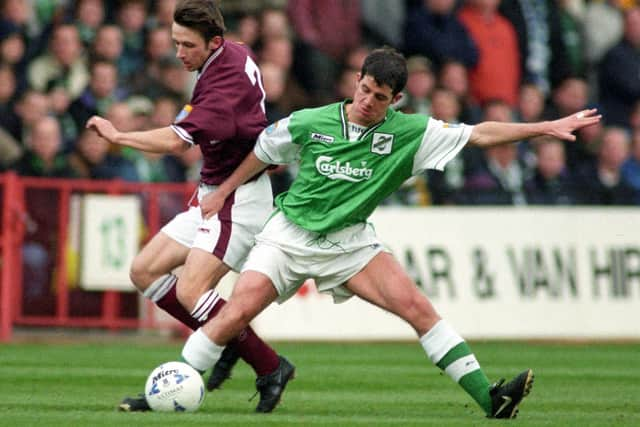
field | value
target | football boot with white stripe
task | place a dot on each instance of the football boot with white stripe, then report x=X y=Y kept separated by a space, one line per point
x=505 y=398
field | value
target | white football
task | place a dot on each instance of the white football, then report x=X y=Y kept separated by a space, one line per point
x=174 y=387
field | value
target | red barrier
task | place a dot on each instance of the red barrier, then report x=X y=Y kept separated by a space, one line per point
x=10 y=260
x=43 y=205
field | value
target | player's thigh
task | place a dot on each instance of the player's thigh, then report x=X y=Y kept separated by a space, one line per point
x=202 y=271
x=158 y=257
x=203 y=267
x=230 y=234
x=221 y=243
x=253 y=292
x=384 y=282
x=284 y=272
x=167 y=249
x=184 y=226
x=229 y=240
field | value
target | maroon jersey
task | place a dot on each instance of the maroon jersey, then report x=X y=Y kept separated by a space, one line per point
x=226 y=112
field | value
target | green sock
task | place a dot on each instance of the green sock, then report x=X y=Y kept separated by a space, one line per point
x=450 y=352
x=473 y=379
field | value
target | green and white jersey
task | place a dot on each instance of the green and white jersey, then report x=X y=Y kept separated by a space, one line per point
x=341 y=180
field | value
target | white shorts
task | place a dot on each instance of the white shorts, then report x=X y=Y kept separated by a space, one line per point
x=229 y=235
x=289 y=254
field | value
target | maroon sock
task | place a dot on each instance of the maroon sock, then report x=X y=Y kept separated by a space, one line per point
x=262 y=358
x=169 y=303
x=257 y=353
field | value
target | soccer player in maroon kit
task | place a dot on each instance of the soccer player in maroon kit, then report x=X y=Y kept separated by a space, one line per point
x=224 y=118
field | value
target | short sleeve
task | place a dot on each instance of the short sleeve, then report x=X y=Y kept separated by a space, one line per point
x=441 y=143
x=182 y=134
x=275 y=144
x=207 y=120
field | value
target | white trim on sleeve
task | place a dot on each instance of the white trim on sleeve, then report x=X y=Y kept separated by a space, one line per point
x=441 y=143
x=182 y=134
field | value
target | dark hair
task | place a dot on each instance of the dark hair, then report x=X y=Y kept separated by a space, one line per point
x=202 y=16
x=388 y=67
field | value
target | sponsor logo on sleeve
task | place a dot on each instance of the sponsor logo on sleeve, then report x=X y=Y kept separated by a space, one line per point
x=271 y=128
x=381 y=143
x=184 y=113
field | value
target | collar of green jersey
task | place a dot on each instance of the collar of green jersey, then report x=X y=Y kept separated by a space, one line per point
x=345 y=121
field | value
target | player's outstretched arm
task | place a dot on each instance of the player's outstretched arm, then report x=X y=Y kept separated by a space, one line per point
x=161 y=140
x=213 y=202
x=486 y=134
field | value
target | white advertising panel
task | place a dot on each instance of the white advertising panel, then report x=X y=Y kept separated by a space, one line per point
x=109 y=241
x=494 y=273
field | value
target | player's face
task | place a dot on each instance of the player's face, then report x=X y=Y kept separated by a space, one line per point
x=191 y=48
x=370 y=101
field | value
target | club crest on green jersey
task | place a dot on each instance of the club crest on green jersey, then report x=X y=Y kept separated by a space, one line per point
x=381 y=143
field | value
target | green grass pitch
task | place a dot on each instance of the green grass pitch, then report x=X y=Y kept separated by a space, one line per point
x=354 y=384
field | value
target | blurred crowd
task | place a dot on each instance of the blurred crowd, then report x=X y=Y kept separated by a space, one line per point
x=469 y=61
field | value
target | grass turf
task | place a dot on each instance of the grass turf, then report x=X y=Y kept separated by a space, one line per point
x=336 y=385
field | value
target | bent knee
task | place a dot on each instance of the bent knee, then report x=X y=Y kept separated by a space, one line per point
x=237 y=315
x=140 y=275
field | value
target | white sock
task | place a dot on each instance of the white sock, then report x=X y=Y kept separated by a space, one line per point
x=200 y=352
x=203 y=307
x=160 y=287
x=439 y=340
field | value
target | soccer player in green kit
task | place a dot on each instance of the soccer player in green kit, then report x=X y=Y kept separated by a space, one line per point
x=352 y=155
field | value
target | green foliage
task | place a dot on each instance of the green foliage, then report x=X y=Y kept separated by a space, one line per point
x=336 y=385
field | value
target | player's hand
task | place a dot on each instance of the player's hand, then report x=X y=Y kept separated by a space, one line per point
x=211 y=204
x=563 y=128
x=103 y=127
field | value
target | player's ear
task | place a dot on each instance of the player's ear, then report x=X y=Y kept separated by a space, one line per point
x=396 y=98
x=215 y=42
